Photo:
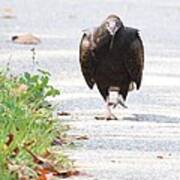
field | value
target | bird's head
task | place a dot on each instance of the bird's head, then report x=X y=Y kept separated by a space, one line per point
x=113 y=23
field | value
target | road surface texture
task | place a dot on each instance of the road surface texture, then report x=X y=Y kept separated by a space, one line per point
x=144 y=143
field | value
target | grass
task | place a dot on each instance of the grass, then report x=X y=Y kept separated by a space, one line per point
x=27 y=126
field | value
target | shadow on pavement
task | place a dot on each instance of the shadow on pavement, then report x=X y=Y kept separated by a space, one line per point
x=153 y=118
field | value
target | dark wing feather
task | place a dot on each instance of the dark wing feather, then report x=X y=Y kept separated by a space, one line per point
x=135 y=61
x=87 y=60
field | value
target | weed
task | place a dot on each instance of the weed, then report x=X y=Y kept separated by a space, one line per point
x=27 y=127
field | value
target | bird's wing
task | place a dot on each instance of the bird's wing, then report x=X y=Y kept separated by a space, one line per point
x=87 y=60
x=135 y=61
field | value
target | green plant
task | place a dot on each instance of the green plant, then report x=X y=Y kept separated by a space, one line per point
x=27 y=127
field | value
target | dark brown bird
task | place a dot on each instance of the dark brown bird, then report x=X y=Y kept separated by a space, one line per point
x=112 y=57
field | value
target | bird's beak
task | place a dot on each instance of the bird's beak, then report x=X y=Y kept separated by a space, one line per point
x=112 y=28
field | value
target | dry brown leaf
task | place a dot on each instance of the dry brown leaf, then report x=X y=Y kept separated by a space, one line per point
x=160 y=157
x=22 y=88
x=10 y=139
x=24 y=178
x=15 y=152
x=36 y=159
x=57 y=142
x=63 y=113
x=47 y=169
x=99 y=118
x=29 y=143
x=83 y=137
x=48 y=176
x=45 y=166
x=22 y=171
x=45 y=173
x=46 y=154
x=69 y=173
x=60 y=140
x=42 y=174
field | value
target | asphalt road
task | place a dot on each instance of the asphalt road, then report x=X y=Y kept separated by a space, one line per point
x=144 y=144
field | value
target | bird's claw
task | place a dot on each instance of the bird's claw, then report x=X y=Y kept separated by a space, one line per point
x=111 y=117
x=108 y=117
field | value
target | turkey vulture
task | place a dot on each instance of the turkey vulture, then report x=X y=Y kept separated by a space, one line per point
x=112 y=57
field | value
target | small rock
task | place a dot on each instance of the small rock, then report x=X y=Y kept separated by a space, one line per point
x=113 y=161
x=160 y=157
x=26 y=39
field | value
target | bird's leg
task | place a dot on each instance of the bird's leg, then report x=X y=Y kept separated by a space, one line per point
x=119 y=101
x=109 y=115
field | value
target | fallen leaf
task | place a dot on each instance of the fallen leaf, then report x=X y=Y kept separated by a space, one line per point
x=24 y=178
x=43 y=174
x=69 y=173
x=160 y=157
x=21 y=170
x=22 y=88
x=83 y=137
x=60 y=140
x=10 y=139
x=46 y=154
x=29 y=143
x=8 y=16
x=99 y=118
x=63 y=114
x=36 y=159
x=46 y=169
x=57 y=142
x=45 y=166
x=15 y=152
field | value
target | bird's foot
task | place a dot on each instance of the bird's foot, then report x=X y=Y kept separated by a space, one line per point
x=108 y=117
x=111 y=117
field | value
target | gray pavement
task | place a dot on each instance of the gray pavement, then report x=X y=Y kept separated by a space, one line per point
x=144 y=144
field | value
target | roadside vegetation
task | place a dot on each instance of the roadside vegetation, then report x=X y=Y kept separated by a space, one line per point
x=28 y=129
